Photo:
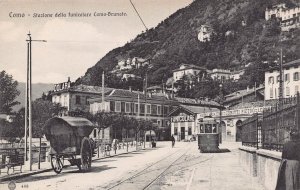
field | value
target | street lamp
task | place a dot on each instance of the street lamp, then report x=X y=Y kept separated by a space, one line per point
x=221 y=103
x=28 y=96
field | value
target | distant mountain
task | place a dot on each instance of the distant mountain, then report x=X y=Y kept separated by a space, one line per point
x=241 y=35
x=37 y=91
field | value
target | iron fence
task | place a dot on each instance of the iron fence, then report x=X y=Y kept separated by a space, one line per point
x=251 y=131
x=279 y=121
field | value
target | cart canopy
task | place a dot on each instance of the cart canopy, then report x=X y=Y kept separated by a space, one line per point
x=67 y=125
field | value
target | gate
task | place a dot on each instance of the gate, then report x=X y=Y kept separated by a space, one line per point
x=251 y=131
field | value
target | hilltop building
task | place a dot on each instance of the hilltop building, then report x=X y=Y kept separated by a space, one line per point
x=220 y=74
x=291 y=78
x=188 y=70
x=205 y=33
x=288 y=17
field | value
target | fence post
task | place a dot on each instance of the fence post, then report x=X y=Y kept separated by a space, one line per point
x=39 y=166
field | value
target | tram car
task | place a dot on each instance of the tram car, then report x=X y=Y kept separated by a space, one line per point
x=68 y=138
x=208 y=135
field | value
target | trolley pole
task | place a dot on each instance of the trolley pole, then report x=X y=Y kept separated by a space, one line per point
x=28 y=108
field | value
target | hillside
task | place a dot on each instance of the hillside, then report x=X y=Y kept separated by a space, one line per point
x=241 y=36
x=37 y=91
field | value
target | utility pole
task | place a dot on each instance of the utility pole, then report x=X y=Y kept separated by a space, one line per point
x=221 y=103
x=28 y=109
x=280 y=80
x=103 y=107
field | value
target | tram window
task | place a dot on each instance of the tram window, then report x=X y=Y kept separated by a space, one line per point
x=214 y=128
x=208 y=128
x=201 y=128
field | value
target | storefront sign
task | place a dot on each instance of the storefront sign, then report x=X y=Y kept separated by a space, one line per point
x=244 y=111
x=182 y=118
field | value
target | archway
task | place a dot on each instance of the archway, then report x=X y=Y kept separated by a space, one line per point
x=239 y=130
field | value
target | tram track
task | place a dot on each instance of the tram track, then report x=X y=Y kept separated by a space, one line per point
x=141 y=172
x=145 y=178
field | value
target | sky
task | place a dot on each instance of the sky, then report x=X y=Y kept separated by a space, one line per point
x=74 y=44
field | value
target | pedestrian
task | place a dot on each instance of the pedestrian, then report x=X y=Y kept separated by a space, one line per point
x=289 y=170
x=173 y=141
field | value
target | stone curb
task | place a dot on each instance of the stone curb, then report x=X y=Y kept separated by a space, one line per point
x=21 y=175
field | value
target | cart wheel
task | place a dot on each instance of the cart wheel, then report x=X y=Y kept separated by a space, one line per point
x=86 y=154
x=56 y=163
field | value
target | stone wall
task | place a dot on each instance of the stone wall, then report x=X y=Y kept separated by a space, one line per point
x=261 y=164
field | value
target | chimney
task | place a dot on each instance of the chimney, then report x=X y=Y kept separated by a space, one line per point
x=69 y=79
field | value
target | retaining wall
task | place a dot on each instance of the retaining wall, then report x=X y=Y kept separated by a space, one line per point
x=261 y=164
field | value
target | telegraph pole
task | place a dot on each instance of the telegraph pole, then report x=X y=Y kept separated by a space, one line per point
x=28 y=108
x=280 y=80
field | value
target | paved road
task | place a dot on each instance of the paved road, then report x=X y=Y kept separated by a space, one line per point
x=182 y=167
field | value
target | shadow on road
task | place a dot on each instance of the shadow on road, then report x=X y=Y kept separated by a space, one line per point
x=65 y=172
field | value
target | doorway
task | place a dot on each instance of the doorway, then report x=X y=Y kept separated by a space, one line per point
x=182 y=133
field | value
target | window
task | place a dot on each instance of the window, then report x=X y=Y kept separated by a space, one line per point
x=271 y=92
x=65 y=101
x=158 y=122
x=142 y=108
x=127 y=107
x=153 y=109
x=77 y=99
x=175 y=130
x=201 y=128
x=278 y=78
x=287 y=77
x=86 y=100
x=296 y=76
x=122 y=107
x=148 y=108
x=208 y=128
x=288 y=91
x=136 y=107
x=158 y=110
x=296 y=89
x=190 y=131
x=117 y=106
x=271 y=80
x=112 y=106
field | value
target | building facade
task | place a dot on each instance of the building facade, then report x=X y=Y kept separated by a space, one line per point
x=205 y=33
x=188 y=70
x=220 y=74
x=291 y=81
x=288 y=17
x=184 y=118
x=138 y=105
x=75 y=98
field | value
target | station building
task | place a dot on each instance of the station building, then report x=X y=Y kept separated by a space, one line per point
x=184 y=117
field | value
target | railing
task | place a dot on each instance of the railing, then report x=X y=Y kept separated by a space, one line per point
x=272 y=129
x=251 y=131
x=279 y=121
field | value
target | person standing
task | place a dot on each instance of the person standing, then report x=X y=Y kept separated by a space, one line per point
x=289 y=170
x=173 y=141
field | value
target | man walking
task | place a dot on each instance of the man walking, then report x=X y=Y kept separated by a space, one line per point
x=173 y=141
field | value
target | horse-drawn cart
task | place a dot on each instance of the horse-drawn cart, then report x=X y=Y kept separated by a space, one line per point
x=68 y=138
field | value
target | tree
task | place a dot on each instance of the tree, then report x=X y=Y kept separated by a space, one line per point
x=8 y=92
x=42 y=110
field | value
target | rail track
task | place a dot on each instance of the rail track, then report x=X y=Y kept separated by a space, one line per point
x=148 y=176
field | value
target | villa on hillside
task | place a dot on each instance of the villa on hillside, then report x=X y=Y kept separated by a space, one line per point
x=288 y=17
x=187 y=70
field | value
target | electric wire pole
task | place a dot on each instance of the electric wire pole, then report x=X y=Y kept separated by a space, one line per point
x=28 y=95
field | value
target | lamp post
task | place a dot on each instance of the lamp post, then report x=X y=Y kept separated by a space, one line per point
x=221 y=103
x=28 y=95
